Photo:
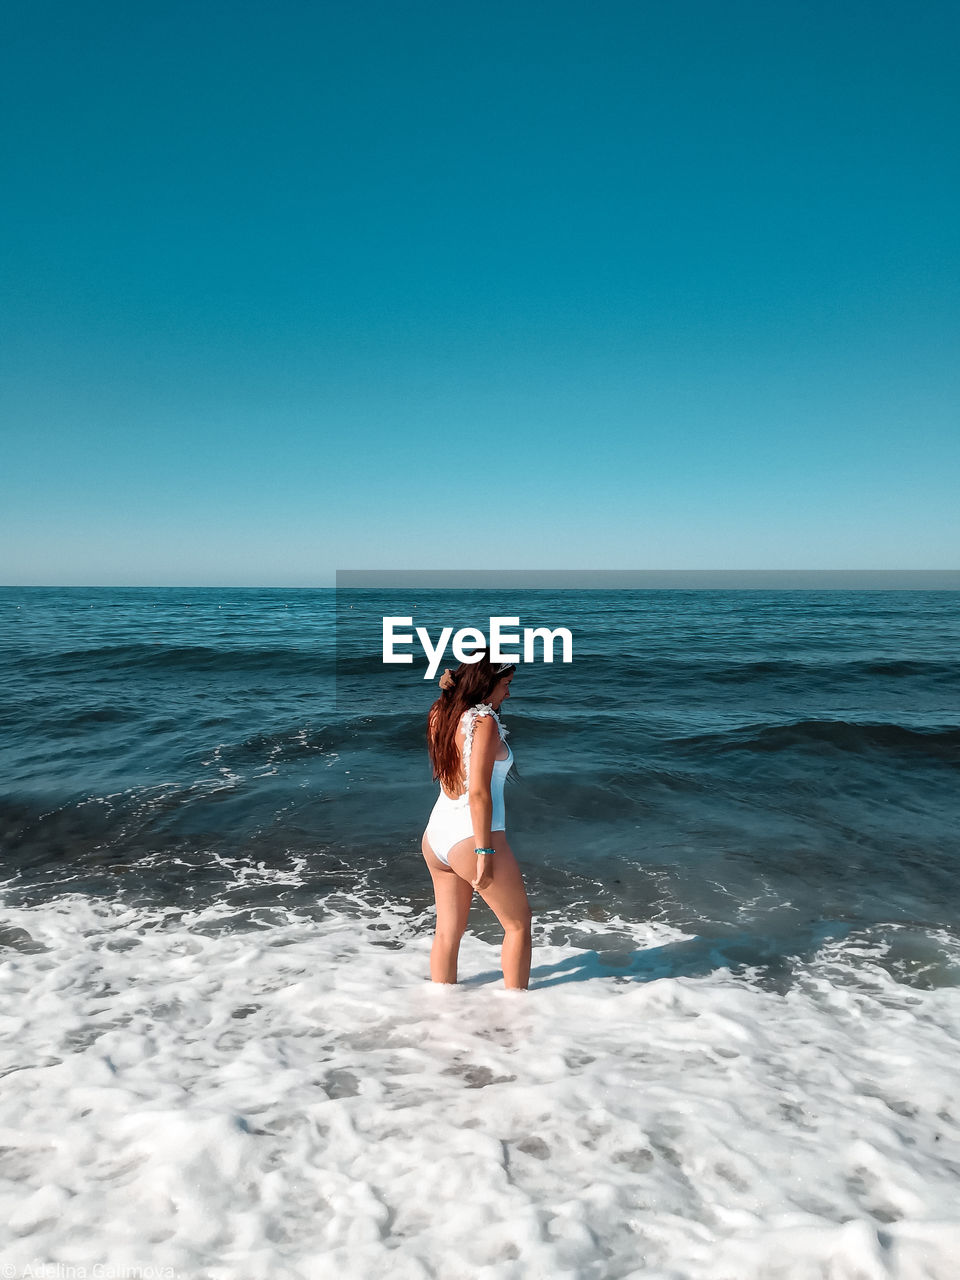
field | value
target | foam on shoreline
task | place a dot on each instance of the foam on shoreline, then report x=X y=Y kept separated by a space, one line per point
x=296 y=1100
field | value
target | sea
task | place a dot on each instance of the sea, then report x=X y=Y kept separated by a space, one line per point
x=738 y=818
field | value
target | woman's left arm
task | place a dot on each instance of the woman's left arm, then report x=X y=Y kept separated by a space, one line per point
x=486 y=743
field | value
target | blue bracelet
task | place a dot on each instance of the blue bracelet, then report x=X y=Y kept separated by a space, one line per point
x=488 y=852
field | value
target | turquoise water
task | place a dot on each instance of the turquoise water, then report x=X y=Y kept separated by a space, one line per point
x=760 y=767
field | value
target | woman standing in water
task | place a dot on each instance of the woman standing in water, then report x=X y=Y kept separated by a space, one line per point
x=465 y=844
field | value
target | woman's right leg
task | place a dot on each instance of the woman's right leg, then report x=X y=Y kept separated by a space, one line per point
x=453 y=899
x=507 y=898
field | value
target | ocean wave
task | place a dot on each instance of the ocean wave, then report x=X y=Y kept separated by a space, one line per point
x=722 y=669
x=838 y=735
x=392 y=731
x=838 y=670
x=274 y=659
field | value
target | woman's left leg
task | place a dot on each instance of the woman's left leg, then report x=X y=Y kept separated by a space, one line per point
x=507 y=898
x=453 y=897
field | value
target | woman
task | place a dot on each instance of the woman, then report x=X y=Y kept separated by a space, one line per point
x=465 y=844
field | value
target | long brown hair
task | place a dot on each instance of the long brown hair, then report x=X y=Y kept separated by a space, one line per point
x=472 y=682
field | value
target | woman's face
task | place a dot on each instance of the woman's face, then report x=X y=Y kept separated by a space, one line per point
x=501 y=691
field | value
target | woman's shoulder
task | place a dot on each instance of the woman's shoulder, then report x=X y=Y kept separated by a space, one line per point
x=478 y=711
x=482 y=714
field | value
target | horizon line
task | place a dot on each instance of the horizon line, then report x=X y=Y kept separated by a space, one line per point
x=564 y=579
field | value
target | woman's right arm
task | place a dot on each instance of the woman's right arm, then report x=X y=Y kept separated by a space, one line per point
x=486 y=743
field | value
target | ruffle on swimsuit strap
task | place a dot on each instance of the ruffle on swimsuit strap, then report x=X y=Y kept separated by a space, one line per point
x=471 y=716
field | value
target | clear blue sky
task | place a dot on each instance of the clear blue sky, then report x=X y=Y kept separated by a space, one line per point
x=303 y=286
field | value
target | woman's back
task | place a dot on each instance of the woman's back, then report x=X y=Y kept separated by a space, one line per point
x=464 y=741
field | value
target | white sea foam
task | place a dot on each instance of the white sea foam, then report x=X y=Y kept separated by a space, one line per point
x=298 y=1101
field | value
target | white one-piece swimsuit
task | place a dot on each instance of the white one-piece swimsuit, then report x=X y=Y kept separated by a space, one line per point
x=450 y=820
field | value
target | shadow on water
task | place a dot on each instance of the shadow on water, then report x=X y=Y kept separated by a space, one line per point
x=771 y=961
